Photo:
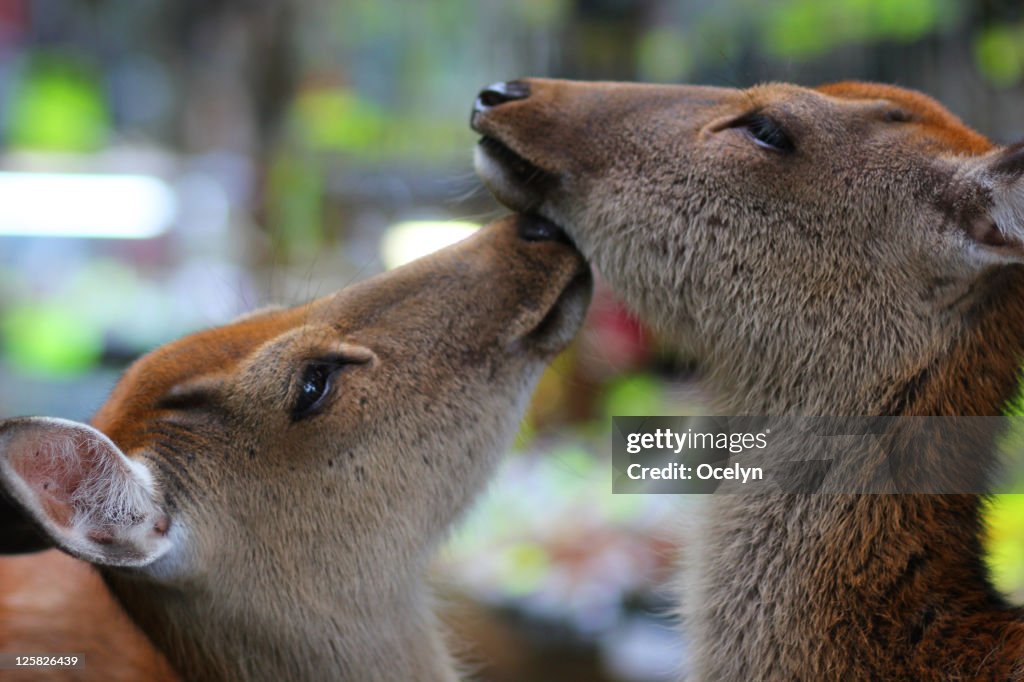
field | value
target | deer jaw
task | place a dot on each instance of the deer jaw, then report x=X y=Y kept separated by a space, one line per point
x=299 y=466
x=850 y=250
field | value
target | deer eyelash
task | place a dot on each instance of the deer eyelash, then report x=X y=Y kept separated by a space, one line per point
x=765 y=132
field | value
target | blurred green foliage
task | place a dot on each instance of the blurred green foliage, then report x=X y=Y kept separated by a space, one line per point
x=807 y=28
x=58 y=105
x=338 y=119
x=50 y=338
x=664 y=55
x=295 y=203
x=635 y=395
x=999 y=54
x=1005 y=542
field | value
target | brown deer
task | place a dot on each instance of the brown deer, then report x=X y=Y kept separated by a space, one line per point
x=847 y=250
x=263 y=498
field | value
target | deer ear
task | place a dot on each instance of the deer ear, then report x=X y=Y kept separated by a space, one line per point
x=81 y=491
x=999 y=230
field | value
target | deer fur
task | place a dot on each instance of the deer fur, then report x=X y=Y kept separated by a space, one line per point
x=865 y=261
x=250 y=539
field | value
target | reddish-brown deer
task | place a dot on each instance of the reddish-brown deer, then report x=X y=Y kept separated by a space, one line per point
x=263 y=498
x=847 y=250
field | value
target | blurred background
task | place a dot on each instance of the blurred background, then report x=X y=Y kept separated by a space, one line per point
x=166 y=165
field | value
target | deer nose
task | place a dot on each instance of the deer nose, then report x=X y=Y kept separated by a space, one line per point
x=536 y=229
x=497 y=94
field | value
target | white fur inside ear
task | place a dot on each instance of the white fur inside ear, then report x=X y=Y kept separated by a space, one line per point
x=94 y=501
x=113 y=491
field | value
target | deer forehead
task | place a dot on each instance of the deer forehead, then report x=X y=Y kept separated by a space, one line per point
x=840 y=107
x=182 y=370
x=867 y=143
x=928 y=121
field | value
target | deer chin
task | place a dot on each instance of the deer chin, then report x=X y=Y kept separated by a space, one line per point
x=512 y=179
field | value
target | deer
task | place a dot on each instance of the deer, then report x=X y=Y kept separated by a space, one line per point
x=260 y=501
x=852 y=249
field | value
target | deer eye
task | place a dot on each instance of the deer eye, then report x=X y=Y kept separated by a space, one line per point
x=766 y=132
x=314 y=387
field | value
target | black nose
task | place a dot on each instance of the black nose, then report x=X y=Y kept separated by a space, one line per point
x=497 y=94
x=536 y=229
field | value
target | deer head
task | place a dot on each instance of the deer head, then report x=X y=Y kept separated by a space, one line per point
x=263 y=497
x=791 y=239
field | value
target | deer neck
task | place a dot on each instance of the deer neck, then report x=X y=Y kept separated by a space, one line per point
x=857 y=585
x=294 y=635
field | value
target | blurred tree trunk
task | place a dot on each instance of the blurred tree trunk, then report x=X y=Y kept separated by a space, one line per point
x=237 y=66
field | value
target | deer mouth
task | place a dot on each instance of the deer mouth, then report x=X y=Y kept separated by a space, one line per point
x=514 y=180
